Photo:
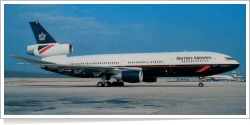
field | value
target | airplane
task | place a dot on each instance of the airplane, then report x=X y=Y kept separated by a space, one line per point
x=219 y=78
x=238 y=78
x=130 y=67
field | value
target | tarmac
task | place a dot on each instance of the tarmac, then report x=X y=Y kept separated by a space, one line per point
x=83 y=97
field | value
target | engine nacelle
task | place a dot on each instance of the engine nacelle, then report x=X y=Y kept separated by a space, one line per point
x=149 y=79
x=130 y=76
x=46 y=50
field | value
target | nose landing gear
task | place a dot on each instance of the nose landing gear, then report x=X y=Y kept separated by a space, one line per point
x=200 y=79
x=201 y=84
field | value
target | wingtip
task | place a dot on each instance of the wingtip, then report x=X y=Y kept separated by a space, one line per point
x=12 y=56
x=15 y=57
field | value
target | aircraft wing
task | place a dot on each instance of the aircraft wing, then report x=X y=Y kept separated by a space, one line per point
x=95 y=69
x=32 y=61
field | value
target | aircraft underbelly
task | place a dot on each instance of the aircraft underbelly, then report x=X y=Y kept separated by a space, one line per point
x=159 y=71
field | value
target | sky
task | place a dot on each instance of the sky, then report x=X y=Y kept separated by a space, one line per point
x=128 y=28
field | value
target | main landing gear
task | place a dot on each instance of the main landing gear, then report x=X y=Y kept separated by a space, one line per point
x=109 y=84
x=106 y=83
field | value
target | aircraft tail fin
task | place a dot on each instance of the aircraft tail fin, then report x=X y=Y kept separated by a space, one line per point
x=41 y=34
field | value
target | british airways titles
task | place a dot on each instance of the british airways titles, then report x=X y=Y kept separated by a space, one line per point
x=194 y=58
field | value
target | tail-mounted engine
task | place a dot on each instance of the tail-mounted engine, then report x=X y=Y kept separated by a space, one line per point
x=46 y=50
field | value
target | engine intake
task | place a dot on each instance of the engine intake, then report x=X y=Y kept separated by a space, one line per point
x=129 y=76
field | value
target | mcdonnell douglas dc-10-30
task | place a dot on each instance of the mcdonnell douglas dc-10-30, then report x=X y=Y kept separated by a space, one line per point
x=131 y=68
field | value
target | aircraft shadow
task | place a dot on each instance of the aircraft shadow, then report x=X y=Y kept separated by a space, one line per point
x=94 y=86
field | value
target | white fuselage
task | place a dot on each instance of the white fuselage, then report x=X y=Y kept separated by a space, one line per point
x=155 y=64
x=146 y=59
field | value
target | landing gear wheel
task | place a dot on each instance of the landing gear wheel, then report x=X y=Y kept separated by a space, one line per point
x=201 y=84
x=121 y=83
x=99 y=84
x=107 y=84
x=114 y=84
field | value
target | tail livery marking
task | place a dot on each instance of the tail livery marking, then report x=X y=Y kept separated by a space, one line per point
x=42 y=36
x=203 y=69
x=45 y=48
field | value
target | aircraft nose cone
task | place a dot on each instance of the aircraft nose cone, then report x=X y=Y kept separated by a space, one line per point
x=236 y=65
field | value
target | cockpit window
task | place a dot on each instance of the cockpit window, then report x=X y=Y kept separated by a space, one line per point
x=229 y=58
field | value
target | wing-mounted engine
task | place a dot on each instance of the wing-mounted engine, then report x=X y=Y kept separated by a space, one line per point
x=46 y=50
x=129 y=76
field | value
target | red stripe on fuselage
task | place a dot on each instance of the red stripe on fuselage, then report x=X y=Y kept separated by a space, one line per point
x=203 y=69
x=45 y=48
